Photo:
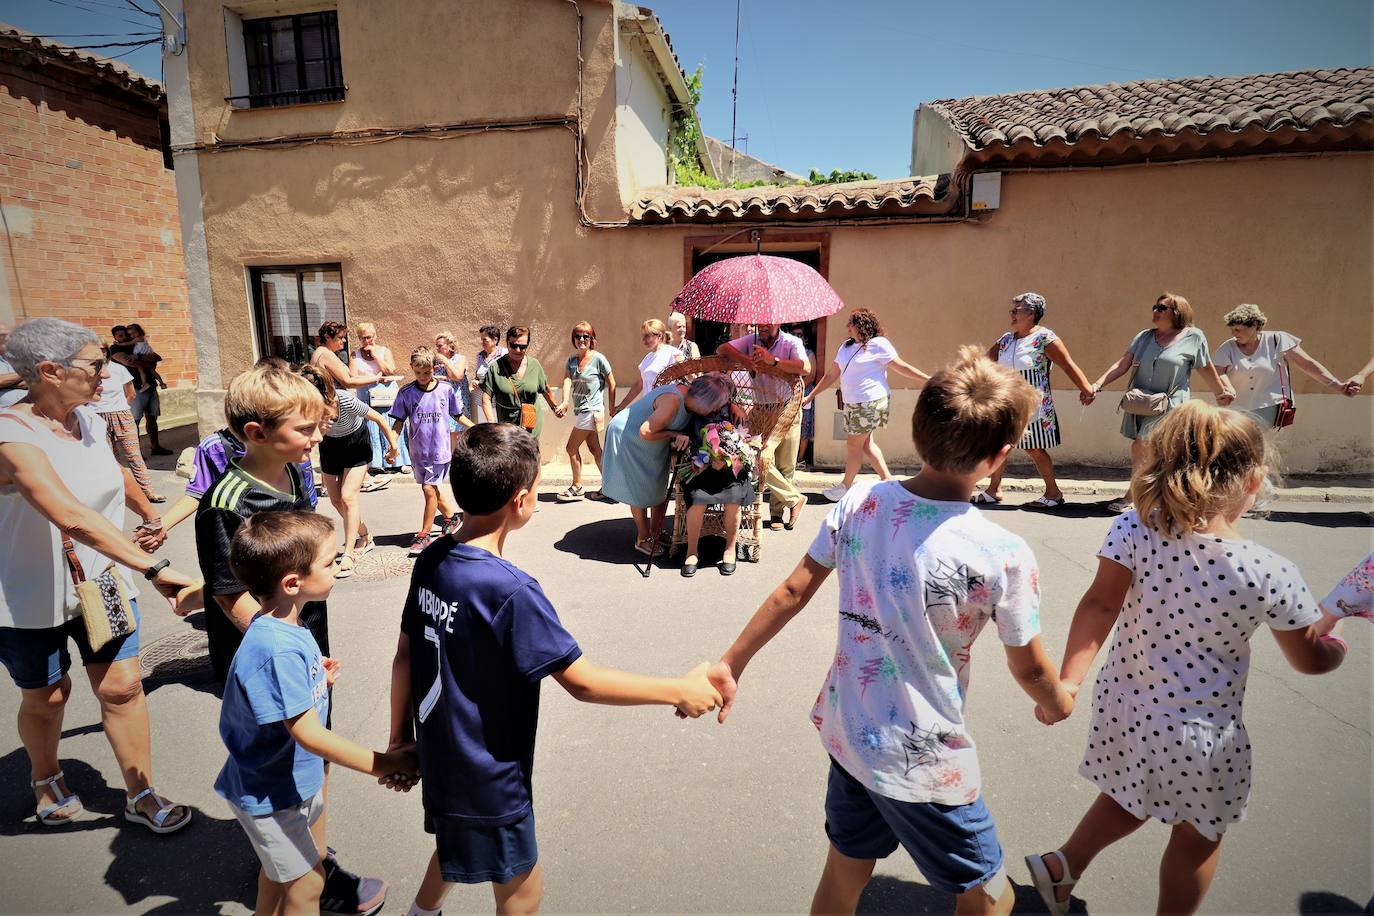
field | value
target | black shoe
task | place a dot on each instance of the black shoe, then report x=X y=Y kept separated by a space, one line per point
x=347 y=894
x=727 y=569
x=689 y=570
x=160 y=451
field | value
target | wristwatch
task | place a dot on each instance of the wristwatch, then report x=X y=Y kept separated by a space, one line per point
x=156 y=568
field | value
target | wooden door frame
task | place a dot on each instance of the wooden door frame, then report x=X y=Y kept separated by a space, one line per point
x=772 y=240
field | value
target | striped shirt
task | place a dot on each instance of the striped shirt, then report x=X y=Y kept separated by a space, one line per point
x=352 y=414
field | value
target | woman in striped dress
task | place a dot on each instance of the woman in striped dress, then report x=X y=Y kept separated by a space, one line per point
x=1031 y=349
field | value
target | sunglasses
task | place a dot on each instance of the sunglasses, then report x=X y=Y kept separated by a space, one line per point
x=582 y=337
x=1162 y=308
x=521 y=348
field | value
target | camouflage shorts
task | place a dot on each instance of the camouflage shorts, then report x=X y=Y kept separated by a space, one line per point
x=866 y=417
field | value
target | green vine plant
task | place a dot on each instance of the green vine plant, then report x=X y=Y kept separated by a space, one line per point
x=687 y=167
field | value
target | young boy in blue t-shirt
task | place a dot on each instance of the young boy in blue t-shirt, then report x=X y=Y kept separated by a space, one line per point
x=276 y=701
x=477 y=636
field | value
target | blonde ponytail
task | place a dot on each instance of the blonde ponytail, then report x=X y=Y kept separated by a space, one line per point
x=1200 y=460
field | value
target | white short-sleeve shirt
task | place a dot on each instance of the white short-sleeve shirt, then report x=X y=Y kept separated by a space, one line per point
x=35 y=588
x=112 y=397
x=863 y=369
x=919 y=579
x=1353 y=596
x=653 y=364
x=1256 y=377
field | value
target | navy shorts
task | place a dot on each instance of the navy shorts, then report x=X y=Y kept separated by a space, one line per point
x=40 y=658
x=954 y=846
x=476 y=855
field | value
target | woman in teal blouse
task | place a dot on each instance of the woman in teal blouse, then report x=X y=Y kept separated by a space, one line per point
x=1162 y=359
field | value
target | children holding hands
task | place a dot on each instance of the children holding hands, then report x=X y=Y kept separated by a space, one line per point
x=921 y=573
x=477 y=637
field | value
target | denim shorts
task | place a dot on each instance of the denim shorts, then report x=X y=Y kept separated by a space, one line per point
x=954 y=846
x=40 y=658
x=476 y=855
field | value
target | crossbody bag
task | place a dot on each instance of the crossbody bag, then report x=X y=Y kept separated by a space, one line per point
x=1141 y=403
x=839 y=387
x=105 y=608
x=1288 y=411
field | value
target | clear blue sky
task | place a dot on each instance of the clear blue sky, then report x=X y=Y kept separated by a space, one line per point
x=834 y=84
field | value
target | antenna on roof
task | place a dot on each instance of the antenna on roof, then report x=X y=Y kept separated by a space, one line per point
x=734 y=92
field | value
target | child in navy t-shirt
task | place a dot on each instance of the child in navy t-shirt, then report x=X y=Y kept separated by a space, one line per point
x=276 y=701
x=477 y=637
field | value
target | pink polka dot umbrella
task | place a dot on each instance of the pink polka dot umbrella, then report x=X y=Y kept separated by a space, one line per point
x=757 y=289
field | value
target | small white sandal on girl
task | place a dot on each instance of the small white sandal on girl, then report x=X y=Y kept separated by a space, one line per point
x=1048 y=887
x=158 y=822
x=45 y=814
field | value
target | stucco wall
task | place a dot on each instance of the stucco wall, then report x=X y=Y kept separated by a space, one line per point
x=482 y=228
x=643 y=118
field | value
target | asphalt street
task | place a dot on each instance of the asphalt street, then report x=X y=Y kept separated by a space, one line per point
x=638 y=811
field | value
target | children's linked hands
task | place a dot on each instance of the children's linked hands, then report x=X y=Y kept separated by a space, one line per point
x=402 y=763
x=1068 y=697
x=723 y=681
x=699 y=695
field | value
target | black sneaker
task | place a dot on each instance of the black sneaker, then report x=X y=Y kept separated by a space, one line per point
x=347 y=894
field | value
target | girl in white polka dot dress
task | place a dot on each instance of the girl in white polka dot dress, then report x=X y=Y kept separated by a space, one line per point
x=1185 y=592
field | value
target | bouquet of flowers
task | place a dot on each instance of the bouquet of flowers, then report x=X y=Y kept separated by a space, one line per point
x=723 y=445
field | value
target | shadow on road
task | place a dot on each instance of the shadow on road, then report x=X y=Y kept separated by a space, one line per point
x=888 y=895
x=1312 y=903
x=143 y=864
x=607 y=541
x=1321 y=519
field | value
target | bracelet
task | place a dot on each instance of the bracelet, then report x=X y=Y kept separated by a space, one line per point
x=1332 y=637
x=151 y=524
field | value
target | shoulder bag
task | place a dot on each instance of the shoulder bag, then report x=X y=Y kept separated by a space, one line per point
x=1141 y=403
x=105 y=608
x=839 y=392
x=1288 y=411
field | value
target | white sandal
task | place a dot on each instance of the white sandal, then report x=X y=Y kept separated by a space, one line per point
x=1048 y=887
x=45 y=814
x=158 y=822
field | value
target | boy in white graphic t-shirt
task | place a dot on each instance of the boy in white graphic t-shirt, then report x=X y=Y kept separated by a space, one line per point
x=922 y=572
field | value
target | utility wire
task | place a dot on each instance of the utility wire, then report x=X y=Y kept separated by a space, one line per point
x=93 y=35
x=98 y=12
x=143 y=10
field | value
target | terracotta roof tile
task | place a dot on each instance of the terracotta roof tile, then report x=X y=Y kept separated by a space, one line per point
x=1145 y=114
x=931 y=195
x=115 y=72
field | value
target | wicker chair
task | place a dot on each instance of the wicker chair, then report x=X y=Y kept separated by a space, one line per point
x=770 y=422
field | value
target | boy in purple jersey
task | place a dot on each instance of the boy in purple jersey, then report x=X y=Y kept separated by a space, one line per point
x=428 y=403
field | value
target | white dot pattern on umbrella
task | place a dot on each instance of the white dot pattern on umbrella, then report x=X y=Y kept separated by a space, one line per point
x=757 y=289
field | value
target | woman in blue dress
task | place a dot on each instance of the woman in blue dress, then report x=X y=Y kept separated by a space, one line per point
x=636 y=454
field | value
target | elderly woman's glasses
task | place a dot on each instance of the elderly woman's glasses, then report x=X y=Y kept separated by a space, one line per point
x=582 y=337
x=1014 y=311
x=97 y=363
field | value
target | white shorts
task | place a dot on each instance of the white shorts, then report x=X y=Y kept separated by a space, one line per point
x=585 y=420
x=282 y=839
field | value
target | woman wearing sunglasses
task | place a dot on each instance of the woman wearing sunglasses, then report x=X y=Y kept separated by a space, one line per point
x=660 y=354
x=588 y=385
x=1030 y=349
x=1162 y=359
x=514 y=383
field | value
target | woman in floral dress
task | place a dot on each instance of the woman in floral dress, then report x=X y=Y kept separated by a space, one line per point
x=1030 y=349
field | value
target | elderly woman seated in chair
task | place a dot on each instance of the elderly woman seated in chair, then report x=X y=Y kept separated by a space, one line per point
x=720 y=472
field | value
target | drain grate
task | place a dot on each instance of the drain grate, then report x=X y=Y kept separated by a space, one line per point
x=383 y=564
x=181 y=657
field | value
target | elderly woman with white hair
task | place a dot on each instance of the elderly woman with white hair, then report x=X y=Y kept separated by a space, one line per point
x=636 y=454
x=677 y=327
x=62 y=499
x=1031 y=349
x=1257 y=362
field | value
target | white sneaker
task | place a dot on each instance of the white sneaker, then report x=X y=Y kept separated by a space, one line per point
x=835 y=493
x=1123 y=504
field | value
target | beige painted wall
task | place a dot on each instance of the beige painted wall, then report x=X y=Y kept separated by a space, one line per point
x=643 y=120
x=482 y=228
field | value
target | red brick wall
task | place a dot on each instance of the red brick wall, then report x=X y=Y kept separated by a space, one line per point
x=100 y=243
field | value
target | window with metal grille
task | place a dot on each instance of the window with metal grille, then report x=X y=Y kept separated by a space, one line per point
x=291 y=304
x=292 y=59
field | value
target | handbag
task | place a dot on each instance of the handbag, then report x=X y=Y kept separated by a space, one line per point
x=529 y=415
x=1288 y=411
x=105 y=608
x=839 y=393
x=1141 y=403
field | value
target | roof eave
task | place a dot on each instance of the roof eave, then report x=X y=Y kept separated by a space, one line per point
x=673 y=79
